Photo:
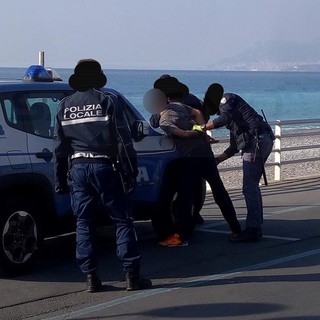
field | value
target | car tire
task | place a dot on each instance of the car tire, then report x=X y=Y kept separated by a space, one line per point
x=20 y=236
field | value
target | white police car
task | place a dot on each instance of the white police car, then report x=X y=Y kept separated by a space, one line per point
x=29 y=208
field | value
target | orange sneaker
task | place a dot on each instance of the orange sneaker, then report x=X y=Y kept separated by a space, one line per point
x=173 y=241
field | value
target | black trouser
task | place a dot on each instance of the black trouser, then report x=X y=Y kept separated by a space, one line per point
x=187 y=186
x=191 y=169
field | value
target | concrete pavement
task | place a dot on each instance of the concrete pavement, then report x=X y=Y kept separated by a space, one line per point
x=277 y=278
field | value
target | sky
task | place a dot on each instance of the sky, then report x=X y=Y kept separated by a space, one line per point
x=148 y=34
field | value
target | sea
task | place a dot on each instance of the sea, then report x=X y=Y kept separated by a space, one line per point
x=281 y=95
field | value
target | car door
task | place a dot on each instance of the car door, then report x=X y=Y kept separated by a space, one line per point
x=42 y=108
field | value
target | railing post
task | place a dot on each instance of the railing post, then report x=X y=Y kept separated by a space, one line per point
x=277 y=151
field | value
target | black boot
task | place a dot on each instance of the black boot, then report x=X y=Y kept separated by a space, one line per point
x=93 y=282
x=248 y=235
x=135 y=282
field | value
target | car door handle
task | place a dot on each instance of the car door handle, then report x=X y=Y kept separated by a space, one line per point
x=45 y=154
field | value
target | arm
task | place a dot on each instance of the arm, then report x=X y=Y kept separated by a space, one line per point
x=229 y=152
x=201 y=125
x=60 y=158
x=198 y=116
x=179 y=133
x=222 y=157
x=168 y=124
x=126 y=153
x=226 y=107
x=221 y=121
x=154 y=120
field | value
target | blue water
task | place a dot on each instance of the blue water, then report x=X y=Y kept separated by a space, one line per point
x=282 y=95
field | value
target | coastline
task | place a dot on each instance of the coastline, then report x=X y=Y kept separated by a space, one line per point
x=233 y=179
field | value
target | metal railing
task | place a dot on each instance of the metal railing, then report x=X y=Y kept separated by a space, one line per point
x=280 y=132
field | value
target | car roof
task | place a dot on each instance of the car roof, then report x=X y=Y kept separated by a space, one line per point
x=7 y=86
x=23 y=85
x=20 y=85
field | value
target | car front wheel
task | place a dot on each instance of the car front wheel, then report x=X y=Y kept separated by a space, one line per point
x=20 y=237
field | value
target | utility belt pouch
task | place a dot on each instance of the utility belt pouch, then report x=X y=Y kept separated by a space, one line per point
x=242 y=140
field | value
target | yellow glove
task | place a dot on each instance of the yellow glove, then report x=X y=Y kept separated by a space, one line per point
x=197 y=127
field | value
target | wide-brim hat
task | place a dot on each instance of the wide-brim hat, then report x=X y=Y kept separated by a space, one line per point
x=212 y=98
x=87 y=74
x=171 y=86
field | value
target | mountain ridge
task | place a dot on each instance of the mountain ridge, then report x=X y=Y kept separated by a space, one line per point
x=275 y=56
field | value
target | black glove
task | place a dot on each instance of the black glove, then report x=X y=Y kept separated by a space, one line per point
x=129 y=184
x=62 y=190
x=217 y=160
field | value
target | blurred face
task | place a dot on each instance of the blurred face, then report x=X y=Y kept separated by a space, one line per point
x=155 y=101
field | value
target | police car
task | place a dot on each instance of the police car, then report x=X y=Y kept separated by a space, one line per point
x=30 y=210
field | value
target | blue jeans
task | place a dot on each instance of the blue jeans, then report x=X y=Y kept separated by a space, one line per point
x=97 y=187
x=253 y=161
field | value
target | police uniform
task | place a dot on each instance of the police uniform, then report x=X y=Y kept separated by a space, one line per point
x=92 y=138
x=254 y=137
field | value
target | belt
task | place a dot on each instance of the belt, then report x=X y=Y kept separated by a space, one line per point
x=89 y=155
x=261 y=131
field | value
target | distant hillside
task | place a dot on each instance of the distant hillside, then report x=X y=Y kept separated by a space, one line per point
x=275 y=55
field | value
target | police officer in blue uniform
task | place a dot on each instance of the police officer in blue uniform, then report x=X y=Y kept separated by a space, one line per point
x=92 y=144
x=254 y=137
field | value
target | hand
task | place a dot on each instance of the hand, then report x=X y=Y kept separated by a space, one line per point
x=222 y=157
x=210 y=139
x=62 y=190
x=197 y=127
x=129 y=185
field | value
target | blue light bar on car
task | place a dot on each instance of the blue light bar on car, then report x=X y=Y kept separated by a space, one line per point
x=37 y=73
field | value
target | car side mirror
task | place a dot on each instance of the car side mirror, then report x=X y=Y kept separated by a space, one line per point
x=139 y=129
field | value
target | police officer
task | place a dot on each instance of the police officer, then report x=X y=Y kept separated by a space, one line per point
x=251 y=134
x=92 y=138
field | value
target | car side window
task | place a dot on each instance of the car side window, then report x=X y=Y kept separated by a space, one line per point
x=9 y=111
x=33 y=112
x=13 y=115
x=42 y=111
